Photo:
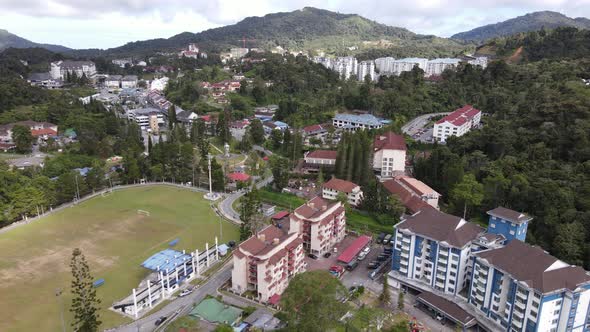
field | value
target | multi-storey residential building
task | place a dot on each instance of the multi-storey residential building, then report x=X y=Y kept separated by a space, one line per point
x=129 y=81
x=353 y=192
x=458 y=123
x=146 y=117
x=113 y=81
x=345 y=66
x=384 y=65
x=509 y=223
x=354 y=122
x=493 y=276
x=315 y=160
x=407 y=64
x=366 y=68
x=320 y=224
x=60 y=69
x=414 y=194
x=266 y=262
x=238 y=52
x=389 y=154
x=434 y=249
x=522 y=288
x=436 y=67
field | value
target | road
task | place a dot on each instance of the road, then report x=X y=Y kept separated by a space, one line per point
x=182 y=305
x=226 y=206
x=417 y=123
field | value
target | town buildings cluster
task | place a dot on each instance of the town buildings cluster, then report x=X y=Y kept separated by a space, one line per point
x=349 y=66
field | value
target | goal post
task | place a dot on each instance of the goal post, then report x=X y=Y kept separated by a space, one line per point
x=144 y=212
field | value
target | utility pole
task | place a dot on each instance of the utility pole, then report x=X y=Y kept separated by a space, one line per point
x=77 y=188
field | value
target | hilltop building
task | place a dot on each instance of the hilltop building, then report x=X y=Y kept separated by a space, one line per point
x=60 y=69
x=458 y=123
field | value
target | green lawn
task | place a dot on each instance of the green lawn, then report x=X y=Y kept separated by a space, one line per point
x=354 y=220
x=115 y=240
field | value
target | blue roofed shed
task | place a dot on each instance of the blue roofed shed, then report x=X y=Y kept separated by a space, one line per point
x=166 y=259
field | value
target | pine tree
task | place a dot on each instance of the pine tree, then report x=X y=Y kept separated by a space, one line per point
x=385 y=297
x=171 y=117
x=350 y=160
x=149 y=144
x=400 y=300
x=84 y=302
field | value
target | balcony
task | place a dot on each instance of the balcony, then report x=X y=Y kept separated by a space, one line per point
x=520 y=305
x=405 y=255
x=522 y=296
x=406 y=240
x=443 y=253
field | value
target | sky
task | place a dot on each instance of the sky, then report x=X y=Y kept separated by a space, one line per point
x=112 y=23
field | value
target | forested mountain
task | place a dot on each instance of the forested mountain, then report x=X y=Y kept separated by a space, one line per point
x=558 y=44
x=8 y=39
x=306 y=29
x=529 y=22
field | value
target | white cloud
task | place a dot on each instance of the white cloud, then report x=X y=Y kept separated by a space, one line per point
x=109 y=23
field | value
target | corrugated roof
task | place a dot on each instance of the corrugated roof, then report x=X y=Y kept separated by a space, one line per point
x=322 y=154
x=352 y=250
x=460 y=116
x=166 y=259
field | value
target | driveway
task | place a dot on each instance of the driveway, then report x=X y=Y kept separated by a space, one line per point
x=181 y=305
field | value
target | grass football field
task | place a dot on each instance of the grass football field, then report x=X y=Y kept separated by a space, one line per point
x=34 y=258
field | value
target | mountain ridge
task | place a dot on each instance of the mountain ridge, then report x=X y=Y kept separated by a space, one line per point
x=8 y=40
x=524 y=23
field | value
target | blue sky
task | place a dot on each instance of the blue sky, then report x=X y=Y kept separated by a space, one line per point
x=111 y=23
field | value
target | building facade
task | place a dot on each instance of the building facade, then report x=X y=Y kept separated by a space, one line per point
x=458 y=123
x=366 y=68
x=320 y=224
x=389 y=154
x=60 y=69
x=355 y=122
x=434 y=249
x=353 y=192
x=436 y=67
x=266 y=262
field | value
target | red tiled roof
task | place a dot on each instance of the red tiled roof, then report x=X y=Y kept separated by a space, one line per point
x=349 y=253
x=314 y=208
x=416 y=185
x=239 y=177
x=389 y=141
x=255 y=245
x=313 y=128
x=45 y=131
x=411 y=201
x=280 y=215
x=322 y=154
x=340 y=185
x=460 y=116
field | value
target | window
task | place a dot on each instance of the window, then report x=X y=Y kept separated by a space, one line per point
x=558 y=303
x=454 y=266
x=454 y=258
x=555 y=321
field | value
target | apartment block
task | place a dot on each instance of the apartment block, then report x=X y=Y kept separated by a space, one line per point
x=457 y=123
x=320 y=224
x=389 y=154
x=266 y=262
x=353 y=192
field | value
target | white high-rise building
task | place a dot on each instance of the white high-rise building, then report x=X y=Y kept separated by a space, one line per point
x=384 y=65
x=407 y=64
x=436 y=67
x=366 y=68
x=60 y=69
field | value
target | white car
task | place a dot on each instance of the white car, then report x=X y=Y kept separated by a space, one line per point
x=366 y=250
x=185 y=292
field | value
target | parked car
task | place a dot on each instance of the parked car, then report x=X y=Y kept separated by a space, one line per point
x=185 y=292
x=380 y=237
x=392 y=240
x=381 y=258
x=327 y=255
x=312 y=256
x=160 y=320
x=387 y=239
x=373 y=265
x=367 y=250
x=352 y=265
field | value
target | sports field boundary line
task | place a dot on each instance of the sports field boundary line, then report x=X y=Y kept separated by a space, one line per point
x=93 y=195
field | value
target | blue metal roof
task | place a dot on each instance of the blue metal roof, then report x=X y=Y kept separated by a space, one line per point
x=166 y=259
x=366 y=119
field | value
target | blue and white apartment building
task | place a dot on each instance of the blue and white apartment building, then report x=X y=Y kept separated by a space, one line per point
x=489 y=276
